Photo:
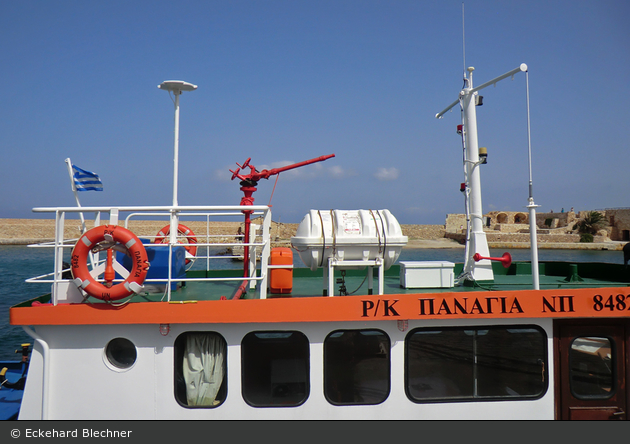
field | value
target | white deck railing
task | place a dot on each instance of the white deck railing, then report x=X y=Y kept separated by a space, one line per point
x=259 y=250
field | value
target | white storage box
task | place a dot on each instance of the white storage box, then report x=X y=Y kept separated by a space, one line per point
x=427 y=274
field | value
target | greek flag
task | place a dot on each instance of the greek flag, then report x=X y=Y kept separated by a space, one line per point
x=86 y=180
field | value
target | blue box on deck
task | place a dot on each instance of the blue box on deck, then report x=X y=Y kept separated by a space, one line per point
x=158 y=259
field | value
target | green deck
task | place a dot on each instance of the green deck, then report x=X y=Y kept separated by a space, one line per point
x=552 y=275
x=311 y=283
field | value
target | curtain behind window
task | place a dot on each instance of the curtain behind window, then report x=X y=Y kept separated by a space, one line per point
x=204 y=359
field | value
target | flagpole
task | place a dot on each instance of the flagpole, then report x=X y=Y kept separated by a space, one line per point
x=76 y=195
x=94 y=258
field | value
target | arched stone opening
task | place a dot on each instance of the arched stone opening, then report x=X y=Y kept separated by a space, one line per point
x=520 y=218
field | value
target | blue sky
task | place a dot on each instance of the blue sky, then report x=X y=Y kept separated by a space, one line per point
x=286 y=81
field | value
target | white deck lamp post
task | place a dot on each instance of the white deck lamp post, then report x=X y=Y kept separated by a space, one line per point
x=176 y=87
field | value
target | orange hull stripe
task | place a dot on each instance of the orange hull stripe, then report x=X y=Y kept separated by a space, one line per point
x=562 y=303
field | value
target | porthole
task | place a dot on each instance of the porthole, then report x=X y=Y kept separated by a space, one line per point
x=121 y=353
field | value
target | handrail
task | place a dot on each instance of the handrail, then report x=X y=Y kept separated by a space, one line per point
x=169 y=209
x=259 y=276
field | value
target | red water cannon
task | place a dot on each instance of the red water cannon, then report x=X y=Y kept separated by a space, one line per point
x=506 y=259
x=254 y=175
x=250 y=180
x=248 y=184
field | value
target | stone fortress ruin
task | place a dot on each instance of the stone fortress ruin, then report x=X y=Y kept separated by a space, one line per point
x=513 y=226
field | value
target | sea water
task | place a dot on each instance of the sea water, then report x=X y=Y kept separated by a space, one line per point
x=18 y=263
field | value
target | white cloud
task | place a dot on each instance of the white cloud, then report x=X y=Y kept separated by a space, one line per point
x=223 y=175
x=338 y=172
x=387 y=173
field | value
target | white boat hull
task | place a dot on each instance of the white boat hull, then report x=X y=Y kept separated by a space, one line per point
x=82 y=385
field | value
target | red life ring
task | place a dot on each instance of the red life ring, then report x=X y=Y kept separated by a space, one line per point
x=162 y=238
x=117 y=235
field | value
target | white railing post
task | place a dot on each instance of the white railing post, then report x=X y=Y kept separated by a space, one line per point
x=266 y=251
x=59 y=235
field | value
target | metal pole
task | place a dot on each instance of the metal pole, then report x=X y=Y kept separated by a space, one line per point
x=176 y=86
x=174 y=218
x=176 y=149
x=530 y=203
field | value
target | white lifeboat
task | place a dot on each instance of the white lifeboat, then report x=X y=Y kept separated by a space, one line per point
x=348 y=235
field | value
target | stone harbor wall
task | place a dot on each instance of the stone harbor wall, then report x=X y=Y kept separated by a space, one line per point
x=502 y=233
x=25 y=231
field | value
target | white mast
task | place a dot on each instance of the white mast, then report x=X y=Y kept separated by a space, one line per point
x=482 y=270
x=476 y=238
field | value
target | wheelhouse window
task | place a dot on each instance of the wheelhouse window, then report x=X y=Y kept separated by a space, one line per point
x=275 y=368
x=356 y=367
x=591 y=366
x=489 y=363
x=200 y=369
